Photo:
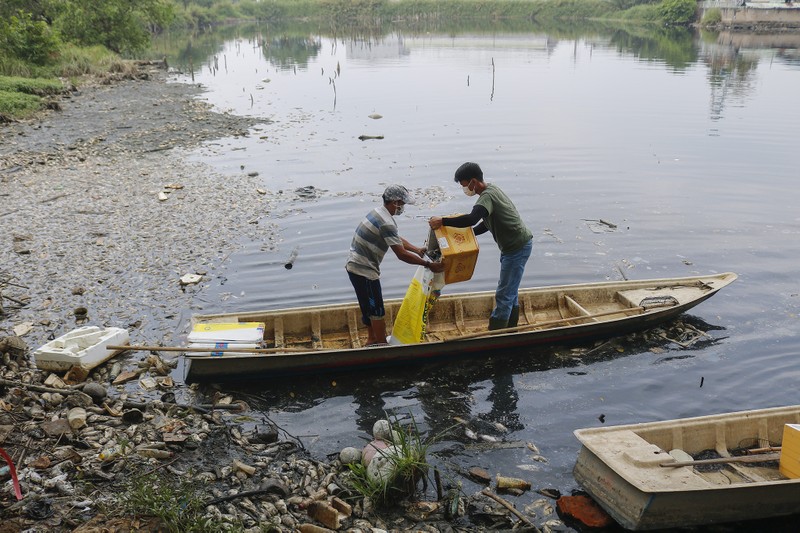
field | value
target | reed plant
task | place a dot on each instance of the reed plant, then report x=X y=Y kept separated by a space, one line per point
x=407 y=456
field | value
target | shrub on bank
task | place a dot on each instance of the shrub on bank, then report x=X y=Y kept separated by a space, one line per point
x=75 y=61
x=643 y=12
x=678 y=12
x=712 y=17
x=18 y=105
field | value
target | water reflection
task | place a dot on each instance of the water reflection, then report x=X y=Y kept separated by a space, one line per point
x=286 y=52
x=476 y=397
x=731 y=58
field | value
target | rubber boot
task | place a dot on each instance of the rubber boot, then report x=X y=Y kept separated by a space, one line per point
x=513 y=318
x=497 y=323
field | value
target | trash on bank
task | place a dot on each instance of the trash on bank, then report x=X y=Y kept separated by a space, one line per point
x=84 y=347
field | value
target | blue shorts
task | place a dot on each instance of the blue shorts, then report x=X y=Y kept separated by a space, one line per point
x=370 y=297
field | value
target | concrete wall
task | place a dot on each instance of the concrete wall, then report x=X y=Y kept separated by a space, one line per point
x=759 y=14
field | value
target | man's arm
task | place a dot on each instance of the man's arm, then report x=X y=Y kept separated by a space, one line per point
x=477 y=214
x=413 y=249
x=412 y=258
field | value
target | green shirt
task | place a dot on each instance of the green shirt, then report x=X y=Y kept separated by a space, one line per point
x=504 y=222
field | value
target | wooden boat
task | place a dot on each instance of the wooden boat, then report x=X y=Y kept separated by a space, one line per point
x=84 y=347
x=633 y=473
x=311 y=339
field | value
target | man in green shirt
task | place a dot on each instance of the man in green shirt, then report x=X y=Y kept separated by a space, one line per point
x=495 y=212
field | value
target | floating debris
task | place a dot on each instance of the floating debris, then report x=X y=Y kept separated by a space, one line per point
x=189 y=279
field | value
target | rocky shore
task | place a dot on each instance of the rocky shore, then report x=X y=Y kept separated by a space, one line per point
x=102 y=214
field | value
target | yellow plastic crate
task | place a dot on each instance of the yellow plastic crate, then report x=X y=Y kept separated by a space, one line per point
x=459 y=250
x=790 y=451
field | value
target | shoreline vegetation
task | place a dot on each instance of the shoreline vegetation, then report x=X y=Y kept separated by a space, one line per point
x=51 y=48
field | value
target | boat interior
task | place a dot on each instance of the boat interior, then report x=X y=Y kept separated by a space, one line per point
x=467 y=315
x=723 y=450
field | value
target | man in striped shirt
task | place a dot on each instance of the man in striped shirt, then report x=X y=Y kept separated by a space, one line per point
x=374 y=236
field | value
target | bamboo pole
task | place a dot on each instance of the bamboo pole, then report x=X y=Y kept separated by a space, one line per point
x=548 y=323
x=136 y=348
x=756 y=458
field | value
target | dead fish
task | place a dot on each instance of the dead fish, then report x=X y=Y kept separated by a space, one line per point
x=532 y=447
x=489 y=438
x=470 y=434
x=500 y=427
x=542 y=505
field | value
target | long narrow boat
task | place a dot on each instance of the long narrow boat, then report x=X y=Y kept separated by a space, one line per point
x=329 y=337
x=641 y=474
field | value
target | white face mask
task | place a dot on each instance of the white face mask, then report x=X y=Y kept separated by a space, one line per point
x=467 y=191
x=398 y=210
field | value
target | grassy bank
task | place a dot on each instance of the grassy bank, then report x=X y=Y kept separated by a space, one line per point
x=27 y=88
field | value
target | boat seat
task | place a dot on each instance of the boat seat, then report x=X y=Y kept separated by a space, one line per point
x=352 y=323
x=316 y=332
x=625 y=448
x=576 y=308
x=526 y=309
x=458 y=313
x=278 y=326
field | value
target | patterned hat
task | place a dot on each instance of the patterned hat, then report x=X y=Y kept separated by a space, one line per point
x=394 y=193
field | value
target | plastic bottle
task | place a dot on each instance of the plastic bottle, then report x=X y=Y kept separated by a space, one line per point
x=76 y=417
x=156 y=454
x=110 y=453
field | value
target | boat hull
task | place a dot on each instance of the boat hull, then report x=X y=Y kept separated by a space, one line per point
x=619 y=467
x=452 y=308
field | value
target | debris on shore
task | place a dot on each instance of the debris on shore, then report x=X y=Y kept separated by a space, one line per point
x=84 y=447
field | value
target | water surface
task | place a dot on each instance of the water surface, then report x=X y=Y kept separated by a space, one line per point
x=689 y=147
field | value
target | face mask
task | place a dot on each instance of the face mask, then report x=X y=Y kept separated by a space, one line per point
x=467 y=191
x=398 y=209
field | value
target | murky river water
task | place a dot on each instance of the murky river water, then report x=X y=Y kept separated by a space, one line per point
x=694 y=158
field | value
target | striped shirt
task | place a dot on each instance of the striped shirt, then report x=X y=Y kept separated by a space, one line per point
x=373 y=237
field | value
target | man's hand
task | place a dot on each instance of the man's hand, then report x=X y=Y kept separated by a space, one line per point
x=421 y=251
x=437 y=267
x=435 y=222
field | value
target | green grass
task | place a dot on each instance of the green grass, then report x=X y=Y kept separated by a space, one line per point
x=176 y=502
x=35 y=86
x=16 y=105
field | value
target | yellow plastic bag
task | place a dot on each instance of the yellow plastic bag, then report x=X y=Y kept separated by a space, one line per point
x=411 y=319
